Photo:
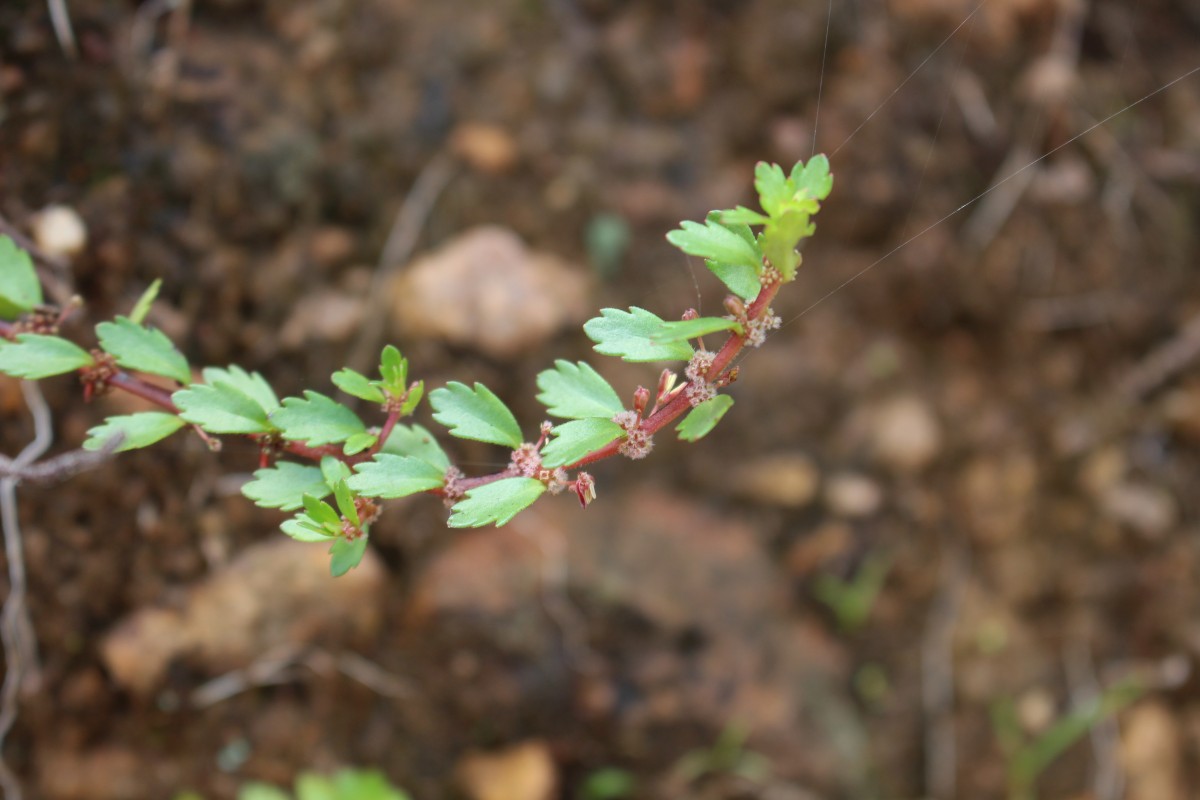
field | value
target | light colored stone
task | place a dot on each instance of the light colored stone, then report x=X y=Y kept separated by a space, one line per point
x=1149 y=510
x=60 y=231
x=523 y=772
x=905 y=434
x=488 y=148
x=487 y=291
x=273 y=594
x=853 y=495
x=1151 y=753
x=788 y=480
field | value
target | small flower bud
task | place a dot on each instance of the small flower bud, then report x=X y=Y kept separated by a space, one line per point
x=585 y=488
x=691 y=313
x=666 y=382
x=735 y=306
x=641 y=398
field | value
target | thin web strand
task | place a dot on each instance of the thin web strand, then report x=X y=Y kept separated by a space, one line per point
x=991 y=189
x=821 y=79
x=911 y=75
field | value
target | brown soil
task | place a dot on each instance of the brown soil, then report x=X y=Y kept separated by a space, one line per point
x=962 y=402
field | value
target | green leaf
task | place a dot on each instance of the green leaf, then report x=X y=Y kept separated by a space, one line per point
x=742 y=216
x=772 y=187
x=311 y=786
x=359 y=442
x=261 y=791
x=393 y=368
x=576 y=391
x=630 y=335
x=35 y=356
x=346 y=555
x=333 y=470
x=221 y=408
x=475 y=414
x=496 y=502
x=575 y=439
x=415 y=393
x=704 y=417
x=304 y=528
x=142 y=307
x=321 y=513
x=419 y=443
x=316 y=420
x=137 y=430
x=357 y=385
x=284 y=486
x=813 y=177
x=361 y=784
x=250 y=384
x=143 y=349
x=392 y=476
x=715 y=242
x=20 y=290
x=345 y=503
x=694 y=328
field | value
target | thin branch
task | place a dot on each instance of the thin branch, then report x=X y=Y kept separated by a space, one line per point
x=16 y=629
x=937 y=679
x=282 y=666
x=60 y=18
x=401 y=241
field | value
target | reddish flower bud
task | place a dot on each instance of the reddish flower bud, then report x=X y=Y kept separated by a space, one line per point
x=641 y=398
x=585 y=488
x=735 y=306
x=691 y=313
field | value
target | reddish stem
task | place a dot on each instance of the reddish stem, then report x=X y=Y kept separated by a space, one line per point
x=143 y=389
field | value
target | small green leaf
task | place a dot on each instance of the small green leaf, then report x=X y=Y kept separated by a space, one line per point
x=772 y=187
x=221 y=408
x=20 y=290
x=357 y=385
x=362 y=784
x=142 y=307
x=345 y=503
x=742 y=216
x=393 y=368
x=715 y=242
x=346 y=555
x=630 y=335
x=250 y=384
x=392 y=476
x=136 y=430
x=576 y=391
x=694 y=328
x=359 y=442
x=813 y=177
x=415 y=393
x=35 y=356
x=142 y=349
x=704 y=417
x=322 y=513
x=261 y=791
x=285 y=485
x=475 y=414
x=304 y=528
x=333 y=470
x=311 y=786
x=575 y=439
x=419 y=443
x=316 y=420
x=496 y=502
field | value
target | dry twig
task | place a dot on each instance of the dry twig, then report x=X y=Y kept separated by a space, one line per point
x=60 y=18
x=937 y=679
x=401 y=241
x=16 y=630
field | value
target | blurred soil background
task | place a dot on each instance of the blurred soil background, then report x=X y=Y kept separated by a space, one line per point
x=957 y=498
